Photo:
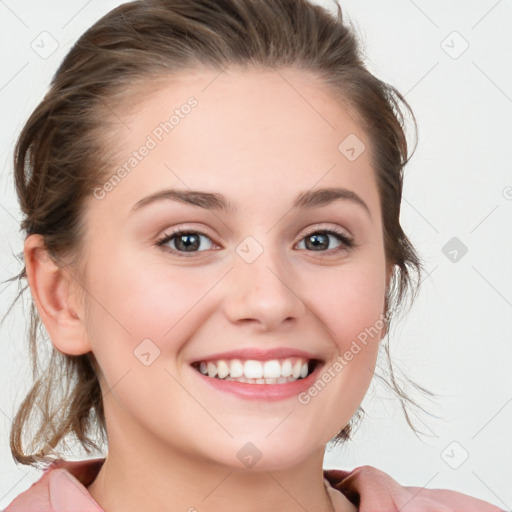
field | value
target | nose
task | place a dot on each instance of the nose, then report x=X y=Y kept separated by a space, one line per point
x=263 y=292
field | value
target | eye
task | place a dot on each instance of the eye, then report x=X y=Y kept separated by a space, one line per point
x=182 y=242
x=320 y=241
x=186 y=242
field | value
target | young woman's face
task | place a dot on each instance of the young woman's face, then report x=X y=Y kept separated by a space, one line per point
x=258 y=273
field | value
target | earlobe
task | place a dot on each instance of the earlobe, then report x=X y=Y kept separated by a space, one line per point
x=51 y=287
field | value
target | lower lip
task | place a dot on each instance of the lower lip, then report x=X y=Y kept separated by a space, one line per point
x=267 y=392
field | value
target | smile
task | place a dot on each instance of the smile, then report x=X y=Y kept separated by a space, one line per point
x=252 y=371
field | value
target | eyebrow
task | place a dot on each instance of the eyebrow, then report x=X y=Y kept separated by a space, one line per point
x=215 y=201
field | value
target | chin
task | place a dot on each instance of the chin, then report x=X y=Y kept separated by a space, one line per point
x=274 y=453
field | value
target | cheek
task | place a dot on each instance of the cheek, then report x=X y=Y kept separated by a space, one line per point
x=139 y=323
x=139 y=299
x=350 y=301
x=351 y=309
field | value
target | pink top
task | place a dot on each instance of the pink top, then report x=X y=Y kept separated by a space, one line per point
x=63 y=488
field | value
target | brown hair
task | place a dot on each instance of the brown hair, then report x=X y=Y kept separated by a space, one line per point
x=59 y=159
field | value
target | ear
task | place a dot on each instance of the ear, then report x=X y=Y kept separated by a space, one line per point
x=51 y=287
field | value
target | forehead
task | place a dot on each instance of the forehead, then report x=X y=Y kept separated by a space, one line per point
x=239 y=97
x=242 y=130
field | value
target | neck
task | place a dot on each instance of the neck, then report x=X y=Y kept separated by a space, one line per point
x=164 y=482
x=144 y=472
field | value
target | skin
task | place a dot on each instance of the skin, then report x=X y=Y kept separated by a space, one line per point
x=173 y=441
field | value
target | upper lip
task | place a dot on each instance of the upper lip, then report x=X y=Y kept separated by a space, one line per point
x=259 y=354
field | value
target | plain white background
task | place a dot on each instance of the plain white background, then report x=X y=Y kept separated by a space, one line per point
x=452 y=62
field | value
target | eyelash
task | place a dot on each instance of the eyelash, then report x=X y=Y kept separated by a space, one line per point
x=346 y=243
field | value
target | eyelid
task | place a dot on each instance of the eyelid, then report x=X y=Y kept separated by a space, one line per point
x=345 y=238
x=168 y=235
x=188 y=228
x=325 y=227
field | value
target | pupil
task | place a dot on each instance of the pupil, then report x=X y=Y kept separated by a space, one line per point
x=318 y=241
x=188 y=242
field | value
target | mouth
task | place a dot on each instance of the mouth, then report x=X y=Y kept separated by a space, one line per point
x=254 y=371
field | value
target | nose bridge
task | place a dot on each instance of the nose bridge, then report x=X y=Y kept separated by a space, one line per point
x=262 y=287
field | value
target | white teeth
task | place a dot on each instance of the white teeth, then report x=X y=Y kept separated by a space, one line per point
x=212 y=370
x=286 y=368
x=297 y=367
x=274 y=371
x=222 y=369
x=236 y=369
x=253 y=369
